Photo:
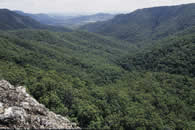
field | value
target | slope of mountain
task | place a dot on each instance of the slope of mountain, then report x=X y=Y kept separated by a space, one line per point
x=42 y=18
x=144 y=24
x=85 y=52
x=174 y=54
x=11 y=20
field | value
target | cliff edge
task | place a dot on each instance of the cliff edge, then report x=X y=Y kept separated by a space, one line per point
x=19 y=110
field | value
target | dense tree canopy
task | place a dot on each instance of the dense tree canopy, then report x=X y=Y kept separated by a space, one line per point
x=103 y=82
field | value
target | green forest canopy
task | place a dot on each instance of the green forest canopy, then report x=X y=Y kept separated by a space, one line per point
x=103 y=82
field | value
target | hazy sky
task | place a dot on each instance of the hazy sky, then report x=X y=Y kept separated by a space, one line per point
x=85 y=6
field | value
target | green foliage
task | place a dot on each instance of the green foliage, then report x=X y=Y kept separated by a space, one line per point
x=103 y=83
x=173 y=55
x=70 y=53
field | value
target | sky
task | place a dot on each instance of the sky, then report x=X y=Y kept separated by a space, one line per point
x=85 y=6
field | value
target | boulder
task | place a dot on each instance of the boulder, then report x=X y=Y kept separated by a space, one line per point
x=20 y=110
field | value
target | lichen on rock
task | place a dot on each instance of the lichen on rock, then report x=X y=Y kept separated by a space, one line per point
x=19 y=110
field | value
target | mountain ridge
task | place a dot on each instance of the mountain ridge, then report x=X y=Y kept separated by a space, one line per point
x=11 y=20
x=148 y=23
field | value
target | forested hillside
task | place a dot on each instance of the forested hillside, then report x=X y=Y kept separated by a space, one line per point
x=106 y=82
x=11 y=20
x=174 y=54
x=147 y=24
x=70 y=52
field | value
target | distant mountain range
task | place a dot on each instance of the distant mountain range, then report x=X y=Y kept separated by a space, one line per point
x=11 y=20
x=146 y=23
x=19 y=20
x=69 y=21
x=82 y=20
x=52 y=19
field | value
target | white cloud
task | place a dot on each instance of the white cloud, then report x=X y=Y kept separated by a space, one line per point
x=89 y=6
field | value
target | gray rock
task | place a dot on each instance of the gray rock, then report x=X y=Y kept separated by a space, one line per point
x=1 y=108
x=19 y=110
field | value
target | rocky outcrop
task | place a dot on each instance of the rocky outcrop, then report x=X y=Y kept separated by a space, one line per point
x=19 y=110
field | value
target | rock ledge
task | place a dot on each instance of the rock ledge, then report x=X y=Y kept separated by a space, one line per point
x=19 y=110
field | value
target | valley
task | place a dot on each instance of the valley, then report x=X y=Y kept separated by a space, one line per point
x=133 y=71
